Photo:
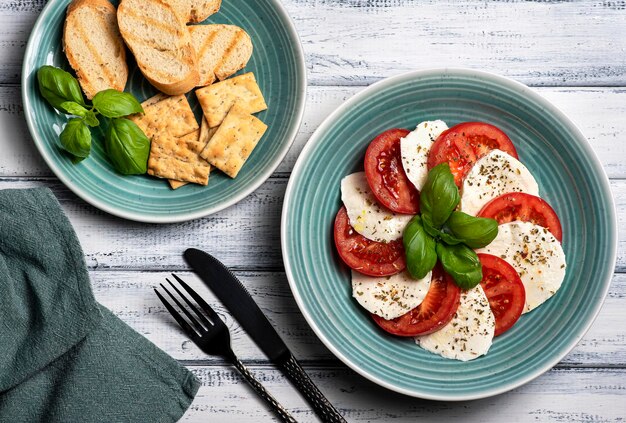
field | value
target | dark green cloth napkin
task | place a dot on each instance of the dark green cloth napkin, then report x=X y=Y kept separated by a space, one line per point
x=63 y=357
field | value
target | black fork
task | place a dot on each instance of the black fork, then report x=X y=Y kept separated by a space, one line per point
x=212 y=336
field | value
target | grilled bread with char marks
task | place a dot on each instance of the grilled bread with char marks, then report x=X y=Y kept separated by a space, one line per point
x=222 y=50
x=195 y=11
x=94 y=47
x=161 y=44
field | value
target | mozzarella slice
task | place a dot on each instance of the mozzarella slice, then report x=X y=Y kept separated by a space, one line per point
x=470 y=332
x=495 y=174
x=536 y=255
x=415 y=147
x=389 y=296
x=366 y=216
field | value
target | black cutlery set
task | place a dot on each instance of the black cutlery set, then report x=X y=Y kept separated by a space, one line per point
x=207 y=330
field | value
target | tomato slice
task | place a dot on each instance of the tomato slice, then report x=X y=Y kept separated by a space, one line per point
x=504 y=290
x=364 y=255
x=525 y=207
x=437 y=309
x=385 y=173
x=462 y=145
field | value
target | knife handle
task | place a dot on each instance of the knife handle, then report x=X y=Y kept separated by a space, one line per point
x=262 y=392
x=323 y=408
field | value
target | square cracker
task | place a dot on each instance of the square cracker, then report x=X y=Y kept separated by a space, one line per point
x=205 y=135
x=176 y=184
x=154 y=100
x=166 y=115
x=217 y=99
x=177 y=158
x=234 y=140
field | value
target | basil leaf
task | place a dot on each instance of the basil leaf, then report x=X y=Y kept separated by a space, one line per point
x=462 y=263
x=58 y=86
x=447 y=237
x=91 y=119
x=76 y=138
x=77 y=110
x=77 y=160
x=440 y=195
x=475 y=232
x=427 y=223
x=419 y=248
x=442 y=234
x=74 y=108
x=113 y=104
x=127 y=147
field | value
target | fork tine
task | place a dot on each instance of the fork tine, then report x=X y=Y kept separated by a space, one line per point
x=192 y=319
x=203 y=304
x=182 y=322
x=191 y=305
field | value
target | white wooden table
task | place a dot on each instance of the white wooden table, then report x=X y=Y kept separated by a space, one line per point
x=573 y=52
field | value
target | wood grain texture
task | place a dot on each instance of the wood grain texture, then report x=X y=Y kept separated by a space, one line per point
x=597 y=111
x=245 y=236
x=356 y=42
x=560 y=395
x=129 y=295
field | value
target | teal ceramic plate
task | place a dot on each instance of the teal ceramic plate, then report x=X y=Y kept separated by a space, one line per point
x=570 y=178
x=278 y=64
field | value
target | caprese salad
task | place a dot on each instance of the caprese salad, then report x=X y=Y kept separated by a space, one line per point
x=447 y=237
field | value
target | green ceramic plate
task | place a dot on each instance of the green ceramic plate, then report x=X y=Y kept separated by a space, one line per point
x=570 y=178
x=278 y=64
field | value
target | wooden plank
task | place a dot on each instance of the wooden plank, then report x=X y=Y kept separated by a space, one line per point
x=562 y=395
x=597 y=111
x=129 y=295
x=546 y=43
x=245 y=236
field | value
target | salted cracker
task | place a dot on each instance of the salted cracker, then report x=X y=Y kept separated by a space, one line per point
x=164 y=114
x=176 y=184
x=206 y=132
x=154 y=100
x=177 y=158
x=216 y=100
x=234 y=141
x=205 y=135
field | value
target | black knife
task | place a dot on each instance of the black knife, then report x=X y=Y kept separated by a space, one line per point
x=240 y=303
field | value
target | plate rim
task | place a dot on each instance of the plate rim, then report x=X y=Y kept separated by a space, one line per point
x=181 y=216
x=452 y=71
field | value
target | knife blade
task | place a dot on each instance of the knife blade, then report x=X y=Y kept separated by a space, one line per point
x=229 y=289
x=242 y=306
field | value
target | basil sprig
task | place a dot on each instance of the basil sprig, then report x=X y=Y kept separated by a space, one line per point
x=445 y=234
x=126 y=144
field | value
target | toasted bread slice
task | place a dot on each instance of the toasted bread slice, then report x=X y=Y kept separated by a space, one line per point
x=94 y=47
x=222 y=50
x=195 y=11
x=161 y=44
